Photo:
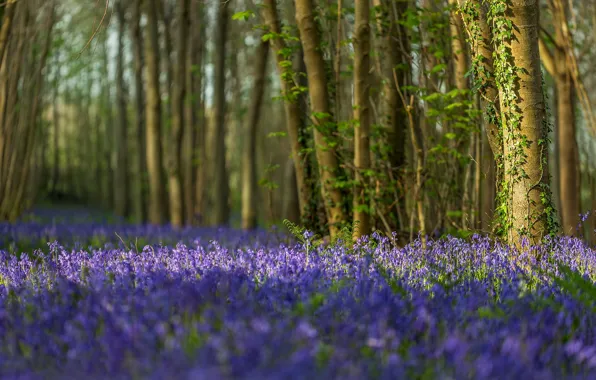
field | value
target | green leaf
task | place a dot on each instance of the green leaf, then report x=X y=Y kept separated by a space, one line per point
x=243 y=15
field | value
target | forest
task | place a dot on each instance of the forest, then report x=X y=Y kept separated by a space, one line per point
x=280 y=189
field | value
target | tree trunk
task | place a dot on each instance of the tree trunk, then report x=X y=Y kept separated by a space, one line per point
x=120 y=160
x=394 y=63
x=568 y=152
x=6 y=26
x=522 y=111
x=362 y=118
x=321 y=114
x=220 y=189
x=292 y=106
x=156 y=214
x=140 y=166
x=56 y=122
x=191 y=111
x=108 y=124
x=179 y=92
x=249 y=167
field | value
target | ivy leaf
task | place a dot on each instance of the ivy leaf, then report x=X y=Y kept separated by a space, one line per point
x=243 y=15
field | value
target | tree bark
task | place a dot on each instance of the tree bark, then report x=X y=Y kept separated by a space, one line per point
x=220 y=189
x=179 y=92
x=362 y=118
x=568 y=152
x=321 y=114
x=249 y=167
x=6 y=26
x=393 y=48
x=525 y=151
x=156 y=214
x=292 y=106
x=140 y=167
x=120 y=157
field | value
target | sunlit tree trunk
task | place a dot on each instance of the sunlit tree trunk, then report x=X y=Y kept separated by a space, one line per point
x=179 y=95
x=525 y=152
x=156 y=213
x=8 y=11
x=362 y=118
x=321 y=115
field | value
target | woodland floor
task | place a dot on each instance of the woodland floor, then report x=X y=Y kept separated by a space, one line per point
x=83 y=295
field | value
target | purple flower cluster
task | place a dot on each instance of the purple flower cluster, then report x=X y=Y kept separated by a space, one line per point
x=214 y=310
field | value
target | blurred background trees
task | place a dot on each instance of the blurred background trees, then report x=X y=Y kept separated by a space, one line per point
x=390 y=115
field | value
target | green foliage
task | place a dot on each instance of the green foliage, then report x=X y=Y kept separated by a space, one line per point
x=243 y=15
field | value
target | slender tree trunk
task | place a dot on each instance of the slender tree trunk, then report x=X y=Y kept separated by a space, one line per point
x=292 y=106
x=220 y=189
x=394 y=63
x=179 y=91
x=291 y=207
x=120 y=161
x=108 y=126
x=56 y=122
x=191 y=111
x=362 y=118
x=140 y=167
x=526 y=164
x=201 y=167
x=321 y=114
x=568 y=152
x=489 y=100
x=6 y=26
x=156 y=214
x=249 y=167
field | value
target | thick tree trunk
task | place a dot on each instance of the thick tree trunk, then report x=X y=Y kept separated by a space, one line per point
x=526 y=165
x=120 y=160
x=249 y=165
x=321 y=114
x=362 y=118
x=156 y=214
x=220 y=189
x=179 y=92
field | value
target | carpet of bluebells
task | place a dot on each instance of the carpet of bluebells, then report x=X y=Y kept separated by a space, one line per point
x=220 y=304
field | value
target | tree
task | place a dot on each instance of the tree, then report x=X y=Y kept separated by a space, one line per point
x=321 y=115
x=292 y=104
x=529 y=212
x=138 y=199
x=249 y=169
x=220 y=190
x=153 y=113
x=179 y=91
x=361 y=117
x=120 y=161
x=558 y=66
